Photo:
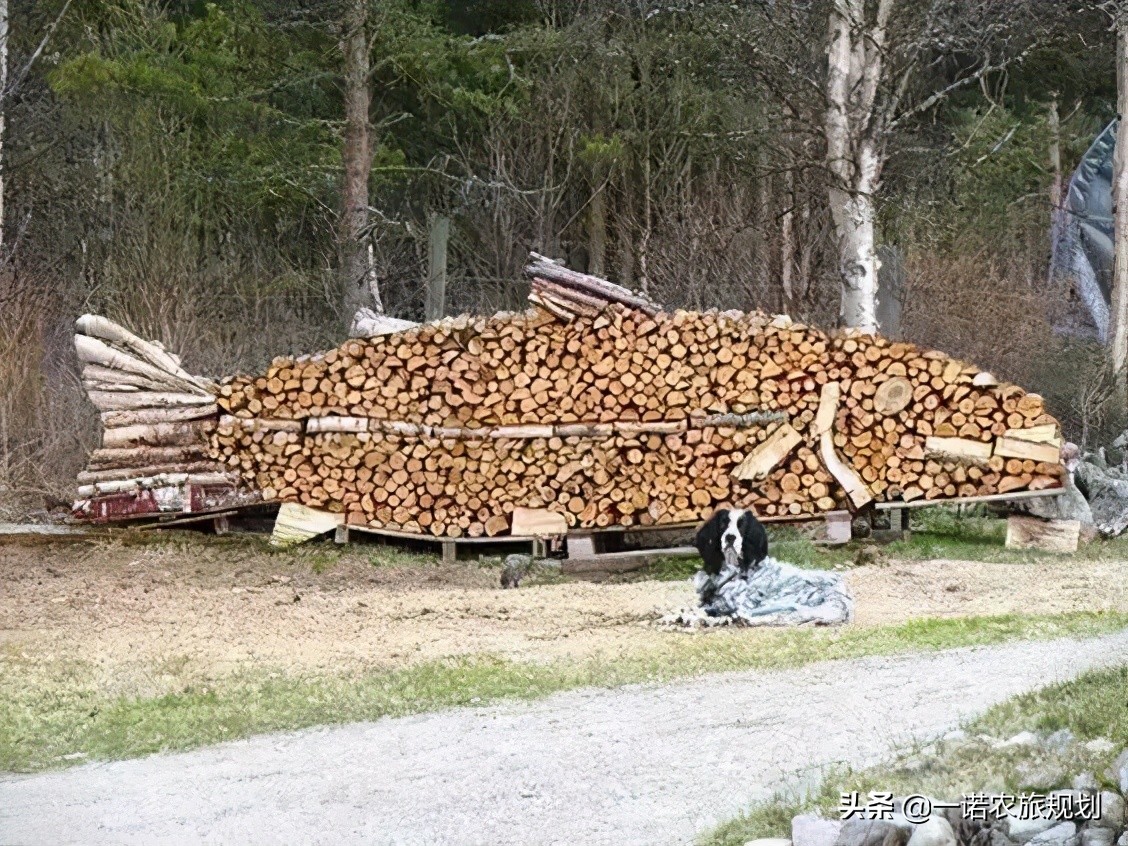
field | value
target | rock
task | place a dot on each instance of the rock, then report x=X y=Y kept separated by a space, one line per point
x=1086 y=782
x=770 y=841
x=1070 y=504
x=968 y=832
x=1023 y=738
x=958 y=734
x=1041 y=776
x=1119 y=772
x=934 y=831
x=1100 y=745
x=1021 y=830
x=997 y=838
x=1105 y=490
x=1098 y=837
x=871 y=833
x=1123 y=841
x=1059 y=741
x=1062 y=834
x=813 y=830
x=1112 y=812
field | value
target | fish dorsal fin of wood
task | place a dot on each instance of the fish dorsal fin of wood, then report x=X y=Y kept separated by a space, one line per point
x=568 y=294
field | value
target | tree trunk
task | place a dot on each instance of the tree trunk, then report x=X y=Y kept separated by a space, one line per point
x=1053 y=120
x=597 y=231
x=855 y=151
x=857 y=258
x=1118 y=318
x=787 y=244
x=3 y=107
x=358 y=284
x=437 y=240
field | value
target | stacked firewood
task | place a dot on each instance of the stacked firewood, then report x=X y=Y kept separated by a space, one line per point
x=156 y=417
x=601 y=407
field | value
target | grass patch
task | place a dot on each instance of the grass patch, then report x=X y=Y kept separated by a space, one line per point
x=51 y=711
x=1090 y=706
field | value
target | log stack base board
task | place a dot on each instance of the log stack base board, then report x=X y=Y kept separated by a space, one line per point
x=595 y=407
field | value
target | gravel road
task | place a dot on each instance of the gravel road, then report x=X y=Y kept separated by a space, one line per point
x=646 y=765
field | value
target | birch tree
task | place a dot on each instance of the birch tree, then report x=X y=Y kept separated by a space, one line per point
x=889 y=61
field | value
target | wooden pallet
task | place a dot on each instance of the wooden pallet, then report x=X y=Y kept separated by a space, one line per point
x=537 y=546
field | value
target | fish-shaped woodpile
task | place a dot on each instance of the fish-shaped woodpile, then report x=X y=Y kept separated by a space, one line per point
x=594 y=404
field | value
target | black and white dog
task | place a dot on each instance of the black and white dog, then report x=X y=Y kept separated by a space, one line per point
x=732 y=535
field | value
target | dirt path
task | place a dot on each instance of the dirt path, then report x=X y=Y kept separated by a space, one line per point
x=149 y=619
x=646 y=765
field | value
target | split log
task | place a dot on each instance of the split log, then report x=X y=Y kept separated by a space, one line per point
x=768 y=455
x=960 y=448
x=1017 y=448
x=848 y=479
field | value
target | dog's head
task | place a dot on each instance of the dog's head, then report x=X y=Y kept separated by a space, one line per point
x=731 y=535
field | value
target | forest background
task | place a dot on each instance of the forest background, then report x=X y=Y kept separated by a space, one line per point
x=235 y=178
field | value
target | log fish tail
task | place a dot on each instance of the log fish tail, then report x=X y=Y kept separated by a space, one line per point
x=157 y=421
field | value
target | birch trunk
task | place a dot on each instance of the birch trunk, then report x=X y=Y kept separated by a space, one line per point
x=855 y=150
x=857 y=258
x=357 y=278
x=1118 y=318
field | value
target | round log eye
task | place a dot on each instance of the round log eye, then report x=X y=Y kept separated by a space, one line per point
x=892 y=396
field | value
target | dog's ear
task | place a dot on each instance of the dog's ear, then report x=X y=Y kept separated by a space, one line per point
x=708 y=542
x=755 y=545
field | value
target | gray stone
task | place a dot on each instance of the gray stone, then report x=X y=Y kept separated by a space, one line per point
x=934 y=831
x=1105 y=490
x=1112 y=812
x=1099 y=745
x=1086 y=782
x=1119 y=772
x=1023 y=738
x=1062 y=834
x=997 y=838
x=1059 y=741
x=770 y=841
x=871 y=833
x=1071 y=504
x=1041 y=776
x=1123 y=841
x=813 y=830
x=1097 y=837
x=1021 y=830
